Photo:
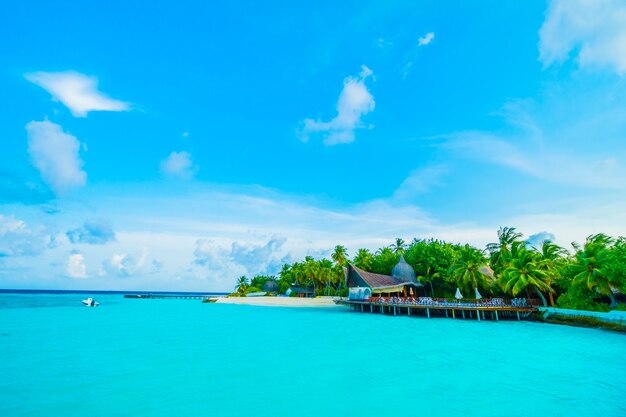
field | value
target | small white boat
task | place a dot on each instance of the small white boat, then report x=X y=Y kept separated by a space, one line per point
x=90 y=302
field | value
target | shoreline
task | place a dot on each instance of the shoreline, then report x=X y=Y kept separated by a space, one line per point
x=293 y=302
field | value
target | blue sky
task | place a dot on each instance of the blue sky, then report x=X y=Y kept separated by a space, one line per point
x=178 y=146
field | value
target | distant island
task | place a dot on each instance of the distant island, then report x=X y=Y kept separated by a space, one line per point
x=591 y=277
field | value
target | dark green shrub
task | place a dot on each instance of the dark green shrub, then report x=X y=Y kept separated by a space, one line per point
x=579 y=297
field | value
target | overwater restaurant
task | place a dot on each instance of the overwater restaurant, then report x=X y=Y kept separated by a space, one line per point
x=402 y=282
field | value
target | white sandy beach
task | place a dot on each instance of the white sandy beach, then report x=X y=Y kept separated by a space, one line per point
x=279 y=301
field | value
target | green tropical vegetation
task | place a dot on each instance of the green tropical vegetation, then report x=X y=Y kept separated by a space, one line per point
x=523 y=272
x=592 y=276
x=467 y=270
x=242 y=285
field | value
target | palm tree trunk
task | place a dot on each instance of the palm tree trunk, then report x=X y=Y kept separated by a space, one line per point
x=613 y=301
x=432 y=291
x=543 y=299
x=551 y=299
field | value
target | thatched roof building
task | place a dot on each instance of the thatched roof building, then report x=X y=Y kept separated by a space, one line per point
x=301 y=292
x=270 y=286
x=379 y=283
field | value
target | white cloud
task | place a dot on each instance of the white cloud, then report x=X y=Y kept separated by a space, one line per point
x=92 y=232
x=125 y=265
x=213 y=261
x=420 y=181
x=593 y=30
x=77 y=91
x=412 y=55
x=537 y=239
x=541 y=140
x=178 y=165
x=354 y=102
x=228 y=232
x=56 y=155
x=257 y=259
x=206 y=253
x=383 y=43
x=242 y=258
x=406 y=69
x=18 y=239
x=550 y=164
x=426 y=39
x=75 y=267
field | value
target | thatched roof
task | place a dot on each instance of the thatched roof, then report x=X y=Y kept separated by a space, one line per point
x=270 y=286
x=357 y=277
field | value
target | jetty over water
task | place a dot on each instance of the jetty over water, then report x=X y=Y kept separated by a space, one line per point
x=495 y=309
x=180 y=296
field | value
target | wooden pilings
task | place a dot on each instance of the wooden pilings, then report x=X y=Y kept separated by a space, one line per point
x=467 y=311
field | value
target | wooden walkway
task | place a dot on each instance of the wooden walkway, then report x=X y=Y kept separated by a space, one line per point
x=449 y=310
x=181 y=296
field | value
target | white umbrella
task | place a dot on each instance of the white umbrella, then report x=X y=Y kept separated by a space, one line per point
x=458 y=294
x=477 y=294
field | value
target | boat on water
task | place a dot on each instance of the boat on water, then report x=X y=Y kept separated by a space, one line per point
x=90 y=302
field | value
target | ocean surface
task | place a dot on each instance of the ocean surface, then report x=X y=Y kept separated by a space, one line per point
x=139 y=357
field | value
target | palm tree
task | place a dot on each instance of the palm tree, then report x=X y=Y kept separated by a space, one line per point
x=285 y=278
x=551 y=251
x=363 y=259
x=591 y=264
x=552 y=257
x=340 y=255
x=297 y=272
x=429 y=276
x=286 y=274
x=311 y=272
x=260 y=280
x=399 y=246
x=468 y=270
x=500 y=252
x=242 y=284
x=525 y=271
x=325 y=273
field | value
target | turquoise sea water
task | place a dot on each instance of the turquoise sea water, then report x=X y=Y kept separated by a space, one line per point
x=133 y=357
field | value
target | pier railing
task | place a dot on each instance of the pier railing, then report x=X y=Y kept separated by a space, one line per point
x=452 y=302
x=480 y=309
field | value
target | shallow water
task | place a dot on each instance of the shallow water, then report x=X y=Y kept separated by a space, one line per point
x=181 y=357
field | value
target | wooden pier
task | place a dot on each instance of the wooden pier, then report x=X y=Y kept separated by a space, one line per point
x=444 y=309
x=172 y=296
